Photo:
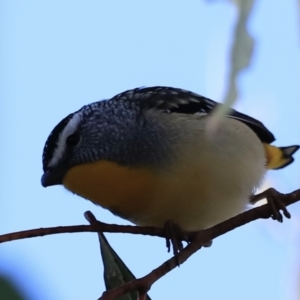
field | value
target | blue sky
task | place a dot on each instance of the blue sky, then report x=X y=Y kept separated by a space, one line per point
x=58 y=56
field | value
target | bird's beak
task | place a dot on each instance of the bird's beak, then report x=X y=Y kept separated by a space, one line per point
x=53 y=177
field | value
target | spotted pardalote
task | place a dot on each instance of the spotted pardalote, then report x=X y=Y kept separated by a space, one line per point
x=146 y=156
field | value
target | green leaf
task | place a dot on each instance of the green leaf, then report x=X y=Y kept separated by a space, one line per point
x=8 y=290
x=116 y=273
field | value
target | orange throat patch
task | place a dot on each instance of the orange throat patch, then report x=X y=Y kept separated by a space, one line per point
x=125 y=191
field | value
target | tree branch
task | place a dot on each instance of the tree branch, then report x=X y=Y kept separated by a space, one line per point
x=201 y=238
x=97 y=227
x=198 y=238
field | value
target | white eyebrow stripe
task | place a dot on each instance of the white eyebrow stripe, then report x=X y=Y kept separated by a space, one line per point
x=70 y=128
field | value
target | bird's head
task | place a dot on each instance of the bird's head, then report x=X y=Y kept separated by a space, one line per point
x=92 y=133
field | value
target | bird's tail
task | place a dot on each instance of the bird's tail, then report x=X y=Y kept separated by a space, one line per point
x=279 y=157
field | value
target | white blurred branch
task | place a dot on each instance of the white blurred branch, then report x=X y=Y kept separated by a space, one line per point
x=240 y=57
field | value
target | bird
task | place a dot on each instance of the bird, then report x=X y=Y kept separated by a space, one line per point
x=146 y=155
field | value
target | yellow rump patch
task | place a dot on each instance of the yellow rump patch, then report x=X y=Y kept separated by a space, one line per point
x=275 y=157
x=123 y=190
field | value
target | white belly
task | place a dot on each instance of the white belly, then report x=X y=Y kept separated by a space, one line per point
x=212 y=178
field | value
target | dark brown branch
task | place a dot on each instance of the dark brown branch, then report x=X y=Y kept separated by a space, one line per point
x=113 y=228
x=201 y=238
x=97 y=227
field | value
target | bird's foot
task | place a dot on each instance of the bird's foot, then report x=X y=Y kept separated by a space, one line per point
x=274 y=199
x=174 y=237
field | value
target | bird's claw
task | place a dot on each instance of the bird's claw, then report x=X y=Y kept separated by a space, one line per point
x=274 y=199
x=174 y=237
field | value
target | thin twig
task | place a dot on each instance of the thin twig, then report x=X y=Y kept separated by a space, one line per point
x=198 y=239
x=96 y=227
x=202 y=238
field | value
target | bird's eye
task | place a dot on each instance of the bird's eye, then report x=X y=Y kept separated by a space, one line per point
x=73 y=140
